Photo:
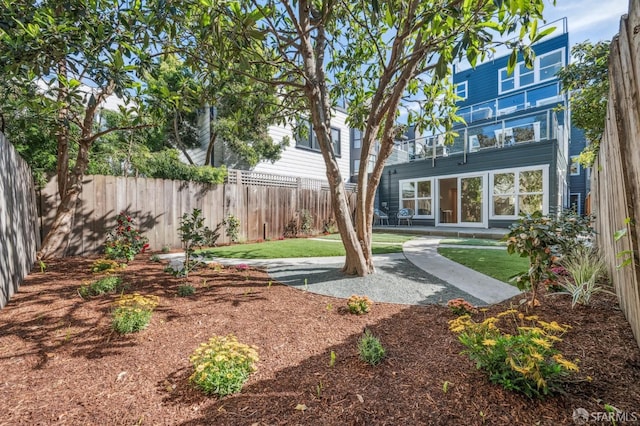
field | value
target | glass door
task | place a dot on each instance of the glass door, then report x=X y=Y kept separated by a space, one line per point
x=472 y=200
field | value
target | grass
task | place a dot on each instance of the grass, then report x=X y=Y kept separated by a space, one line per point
x=295 y=247
x=377 y=237
x=494 y=263
x=472 y=242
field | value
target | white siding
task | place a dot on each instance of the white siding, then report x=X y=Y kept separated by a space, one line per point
x=305 y=163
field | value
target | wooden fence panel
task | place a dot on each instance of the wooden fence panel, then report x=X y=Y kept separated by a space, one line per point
x=157 y=206
x=616 y=173
x=18 y=221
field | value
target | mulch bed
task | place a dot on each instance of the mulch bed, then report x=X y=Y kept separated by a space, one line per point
x=62 y=364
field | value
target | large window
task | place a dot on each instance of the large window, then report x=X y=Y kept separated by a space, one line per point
x=574 y=167
x=544 y=68
x=310 y=141
x=516 y=192
x=417 y=195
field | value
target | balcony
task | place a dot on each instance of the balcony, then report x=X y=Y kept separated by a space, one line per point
x=496 y=134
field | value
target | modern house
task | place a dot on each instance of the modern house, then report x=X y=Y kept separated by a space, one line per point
x=512 y=155
x=301 y=159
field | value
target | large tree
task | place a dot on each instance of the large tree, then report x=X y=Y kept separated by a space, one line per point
x=79 y=52
x=380 y=56
x=586 y=80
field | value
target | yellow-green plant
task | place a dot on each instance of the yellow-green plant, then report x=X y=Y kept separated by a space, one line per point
x=106 y=284
x=522 y=358
x=359 y=304
x=105 y=266
x=222 y=365
x=133 y=312
x=371 y=350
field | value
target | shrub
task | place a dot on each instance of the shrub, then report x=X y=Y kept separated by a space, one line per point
x=329 y=226
x=460 y=307
x=107 y=284
x=584 y=270
x=233 y=227
x=370 y=349
x=222 y=365
x=522 y=359
x=106 y=266
x=133 y=312
x=306 y=222
x=124 y=241
x=359 y=304
x=155 y=258
x=166 y=249
x=194 y=234
x=186 y=290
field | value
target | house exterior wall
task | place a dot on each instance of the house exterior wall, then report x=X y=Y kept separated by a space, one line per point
x=542 y=155
x=304 y=162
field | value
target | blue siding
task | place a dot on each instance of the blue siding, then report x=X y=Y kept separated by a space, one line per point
x=482 y=81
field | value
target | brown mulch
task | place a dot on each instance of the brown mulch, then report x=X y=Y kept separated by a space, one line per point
x=61 y=363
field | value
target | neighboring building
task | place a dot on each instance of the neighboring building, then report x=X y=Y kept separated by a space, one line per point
x=510 y=157
x=302 y=158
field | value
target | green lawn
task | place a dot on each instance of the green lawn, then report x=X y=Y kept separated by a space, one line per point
x=377 y=237
x=492 y=262
x=294 y=247
x=472 y=242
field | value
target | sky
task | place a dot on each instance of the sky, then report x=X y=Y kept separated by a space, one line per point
x=592 y=20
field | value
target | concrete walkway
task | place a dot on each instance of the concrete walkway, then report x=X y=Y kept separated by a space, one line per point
x=419 y=275
x=423 y=252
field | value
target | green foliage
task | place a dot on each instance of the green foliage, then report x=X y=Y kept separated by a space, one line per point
x=186 y=290
x=193 y=233
x=543 y=241
x=306 y=222
x=370 y=349
x=232 y=224
x=222 y=365
x=133 y=312
x=586 y=79
x=106 y=266
x=522 y=357
x=124 y=241
x=155 y=258
x=107 y=284
x=359 y=305
x=585 y=269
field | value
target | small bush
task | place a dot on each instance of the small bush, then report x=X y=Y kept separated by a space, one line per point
x=106 y=266
x=460 y=307
x=522 y=358
x=359 y=305
x=107 y=284
x=370 y=349
x=232 y=224
x=306 y=222
x=222 y=365
x=584 y=270
x=133 y=312
x=124 y=241
x=155 y=258
x=186 y=290
x=166 y=249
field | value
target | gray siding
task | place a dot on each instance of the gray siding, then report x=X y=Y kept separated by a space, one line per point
x=484 y=161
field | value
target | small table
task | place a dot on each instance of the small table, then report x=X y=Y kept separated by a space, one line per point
x=446 y=216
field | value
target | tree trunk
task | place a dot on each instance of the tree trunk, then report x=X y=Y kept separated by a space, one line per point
x=56 y=241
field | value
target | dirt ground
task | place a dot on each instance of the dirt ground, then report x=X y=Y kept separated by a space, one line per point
x=61 y=363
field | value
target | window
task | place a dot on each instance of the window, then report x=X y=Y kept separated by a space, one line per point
x=462 y=90
x=417 y=195
x=310 y=141
x=516 y=192
x=544 y=68
x=574 y=167
x=356 y=138
x=574 y=203
x=356 y=167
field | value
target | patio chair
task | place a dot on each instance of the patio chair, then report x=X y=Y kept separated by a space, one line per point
x=405 y=214
x=379 y=217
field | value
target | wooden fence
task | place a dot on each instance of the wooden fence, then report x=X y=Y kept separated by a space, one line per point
x=18 y=225
x=264 y=210
x=616 y=173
